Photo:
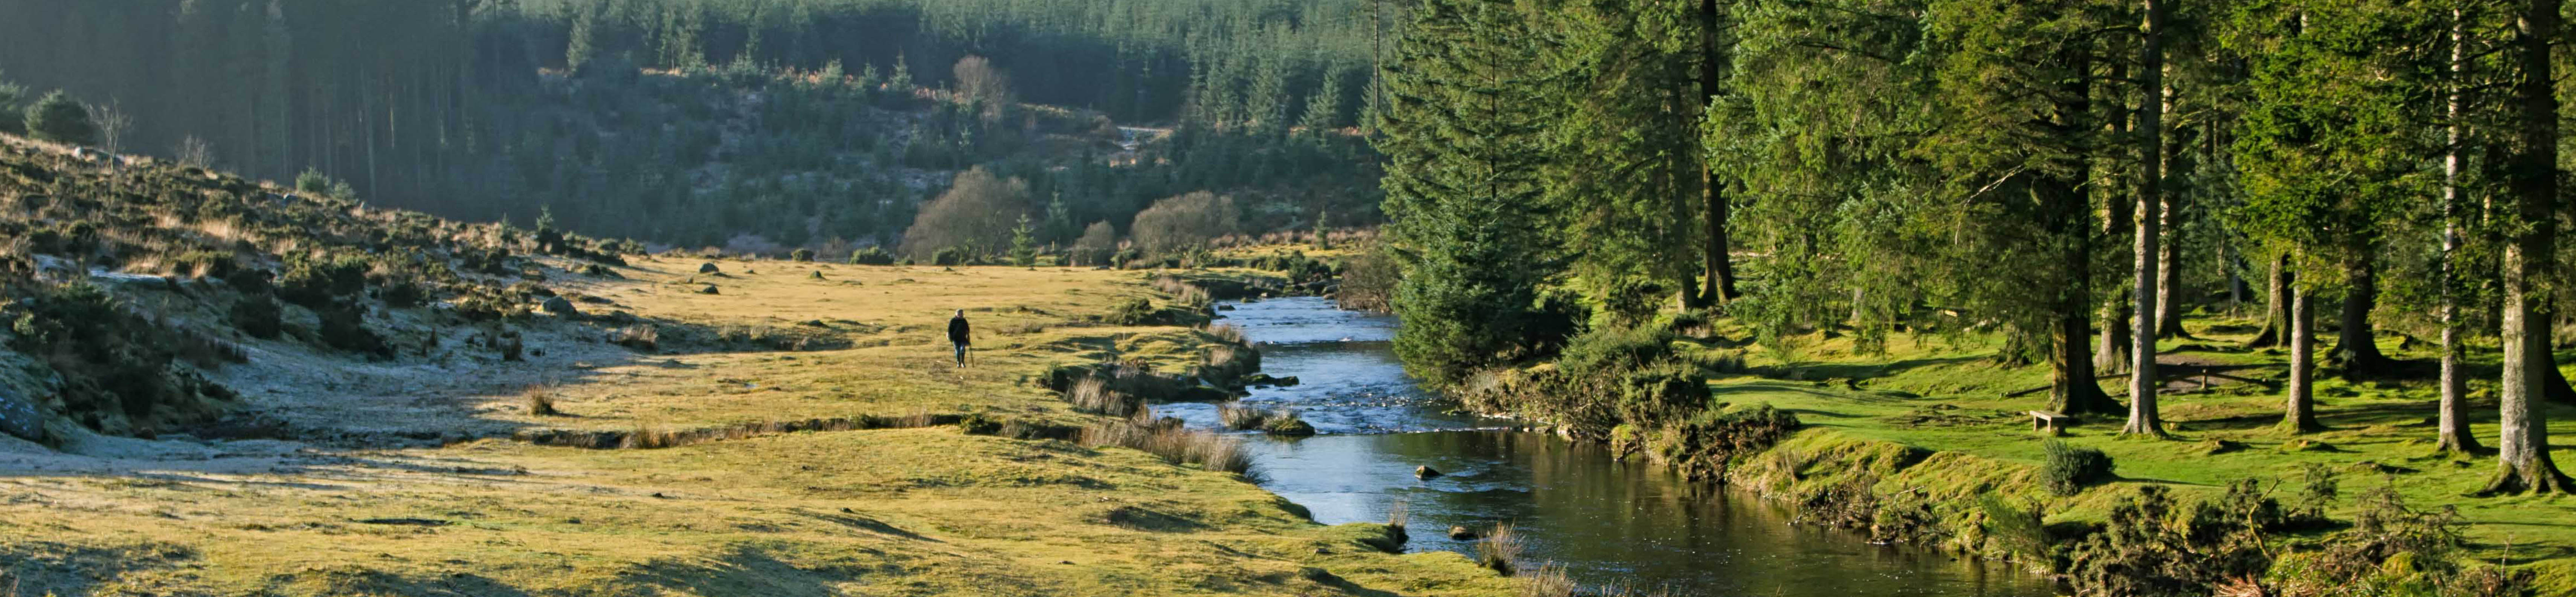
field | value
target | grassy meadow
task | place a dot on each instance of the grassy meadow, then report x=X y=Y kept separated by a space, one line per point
x=896 y=511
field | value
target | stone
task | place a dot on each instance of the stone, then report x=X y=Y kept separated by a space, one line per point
x=707 y=268
x=19 y=417
x=1424 y=472
x=708 y=289
x=1461 y=533
x=559 y=306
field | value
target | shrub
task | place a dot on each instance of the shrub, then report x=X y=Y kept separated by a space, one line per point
x=978 y=209
x=1131 y=311
x=1664 y=393
x=1368 y=281
x=1184 y=222
x=58 y=119
x=1098 y=242
x=257 y=315
x=804 y=255
x=344 y=327
x=947 y=256
x=205 y=264
x=978 y=424
x=1608 y=350
x=118 y=370
x=2070 y=468
x=315 y=281
x=871 y=256
x=2149 y=547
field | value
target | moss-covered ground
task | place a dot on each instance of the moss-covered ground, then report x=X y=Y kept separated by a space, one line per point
x=1950 y=396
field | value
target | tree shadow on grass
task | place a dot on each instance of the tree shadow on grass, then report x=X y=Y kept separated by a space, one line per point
x=753 y=570
x=1862 y=371
x=66 y=570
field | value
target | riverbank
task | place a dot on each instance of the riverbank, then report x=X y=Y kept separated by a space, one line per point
x=896 y=506
x=1906 y=446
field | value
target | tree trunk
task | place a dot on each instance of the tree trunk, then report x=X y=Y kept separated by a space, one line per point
x=2355 y=345
x=2144 y=287
x=2300 y=416
x=2169 y=307
x=2111 y=354
x=2453 y=434
x=2522 y=456
x=1721 y=267
x=2276 y=293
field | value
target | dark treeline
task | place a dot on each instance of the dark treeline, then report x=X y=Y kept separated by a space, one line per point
x=2068 y=175
x=707 y=122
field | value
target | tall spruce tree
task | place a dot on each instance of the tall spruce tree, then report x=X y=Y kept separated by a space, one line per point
x=2015 y=85
x=1462 y=150
x=2531 y=171
x=1624 y=172
x=2331 y=91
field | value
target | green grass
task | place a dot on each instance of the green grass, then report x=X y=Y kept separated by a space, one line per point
x=1948 y=397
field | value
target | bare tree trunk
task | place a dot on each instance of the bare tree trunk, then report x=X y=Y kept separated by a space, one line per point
x=2453 y=434
x=2300 y=415
x=2142 y=351
x=2276 y=294
x=2522 y=457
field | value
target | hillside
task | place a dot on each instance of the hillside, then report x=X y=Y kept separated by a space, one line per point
x=768 y=428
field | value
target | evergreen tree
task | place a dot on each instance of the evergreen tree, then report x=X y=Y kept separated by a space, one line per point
x=1024 y=245
x=2321 y=102
x=58 y=119
x=1624 y=171
x=2531 y=172
x=2015 y=84
x=1463 y=153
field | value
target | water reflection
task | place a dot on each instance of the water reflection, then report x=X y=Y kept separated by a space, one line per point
x=1607 y=521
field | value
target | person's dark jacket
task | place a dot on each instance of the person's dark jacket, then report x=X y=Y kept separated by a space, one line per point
x=957 y=330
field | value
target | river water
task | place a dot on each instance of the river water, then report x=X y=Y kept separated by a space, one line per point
x=1608 y=522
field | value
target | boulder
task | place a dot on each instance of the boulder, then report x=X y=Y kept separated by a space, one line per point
x=18 y=415
x=708 y=289
x=559 y=306
x=1461 y=533
x=707 y=268
x=1424 y=472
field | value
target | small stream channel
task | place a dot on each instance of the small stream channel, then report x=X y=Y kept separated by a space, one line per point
x=1631 y=524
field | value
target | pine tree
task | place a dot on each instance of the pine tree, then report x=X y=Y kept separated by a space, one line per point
x=2016 y=144
x=58 y=119
x=2523 y=463
x=1462 y=159
x=1024 y=245
x=1624 y=171
x=2322 y=101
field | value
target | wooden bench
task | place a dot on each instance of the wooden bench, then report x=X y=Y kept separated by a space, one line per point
x=2051 y=422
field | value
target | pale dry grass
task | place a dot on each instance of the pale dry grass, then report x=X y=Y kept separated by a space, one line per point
x=1500 y=549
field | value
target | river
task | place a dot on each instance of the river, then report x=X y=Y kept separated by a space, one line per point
x=1608 y=522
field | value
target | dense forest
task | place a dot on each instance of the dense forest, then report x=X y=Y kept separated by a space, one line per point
x=757 y=126
x=2068 y=176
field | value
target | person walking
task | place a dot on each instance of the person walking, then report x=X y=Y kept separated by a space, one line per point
x=959 y=335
